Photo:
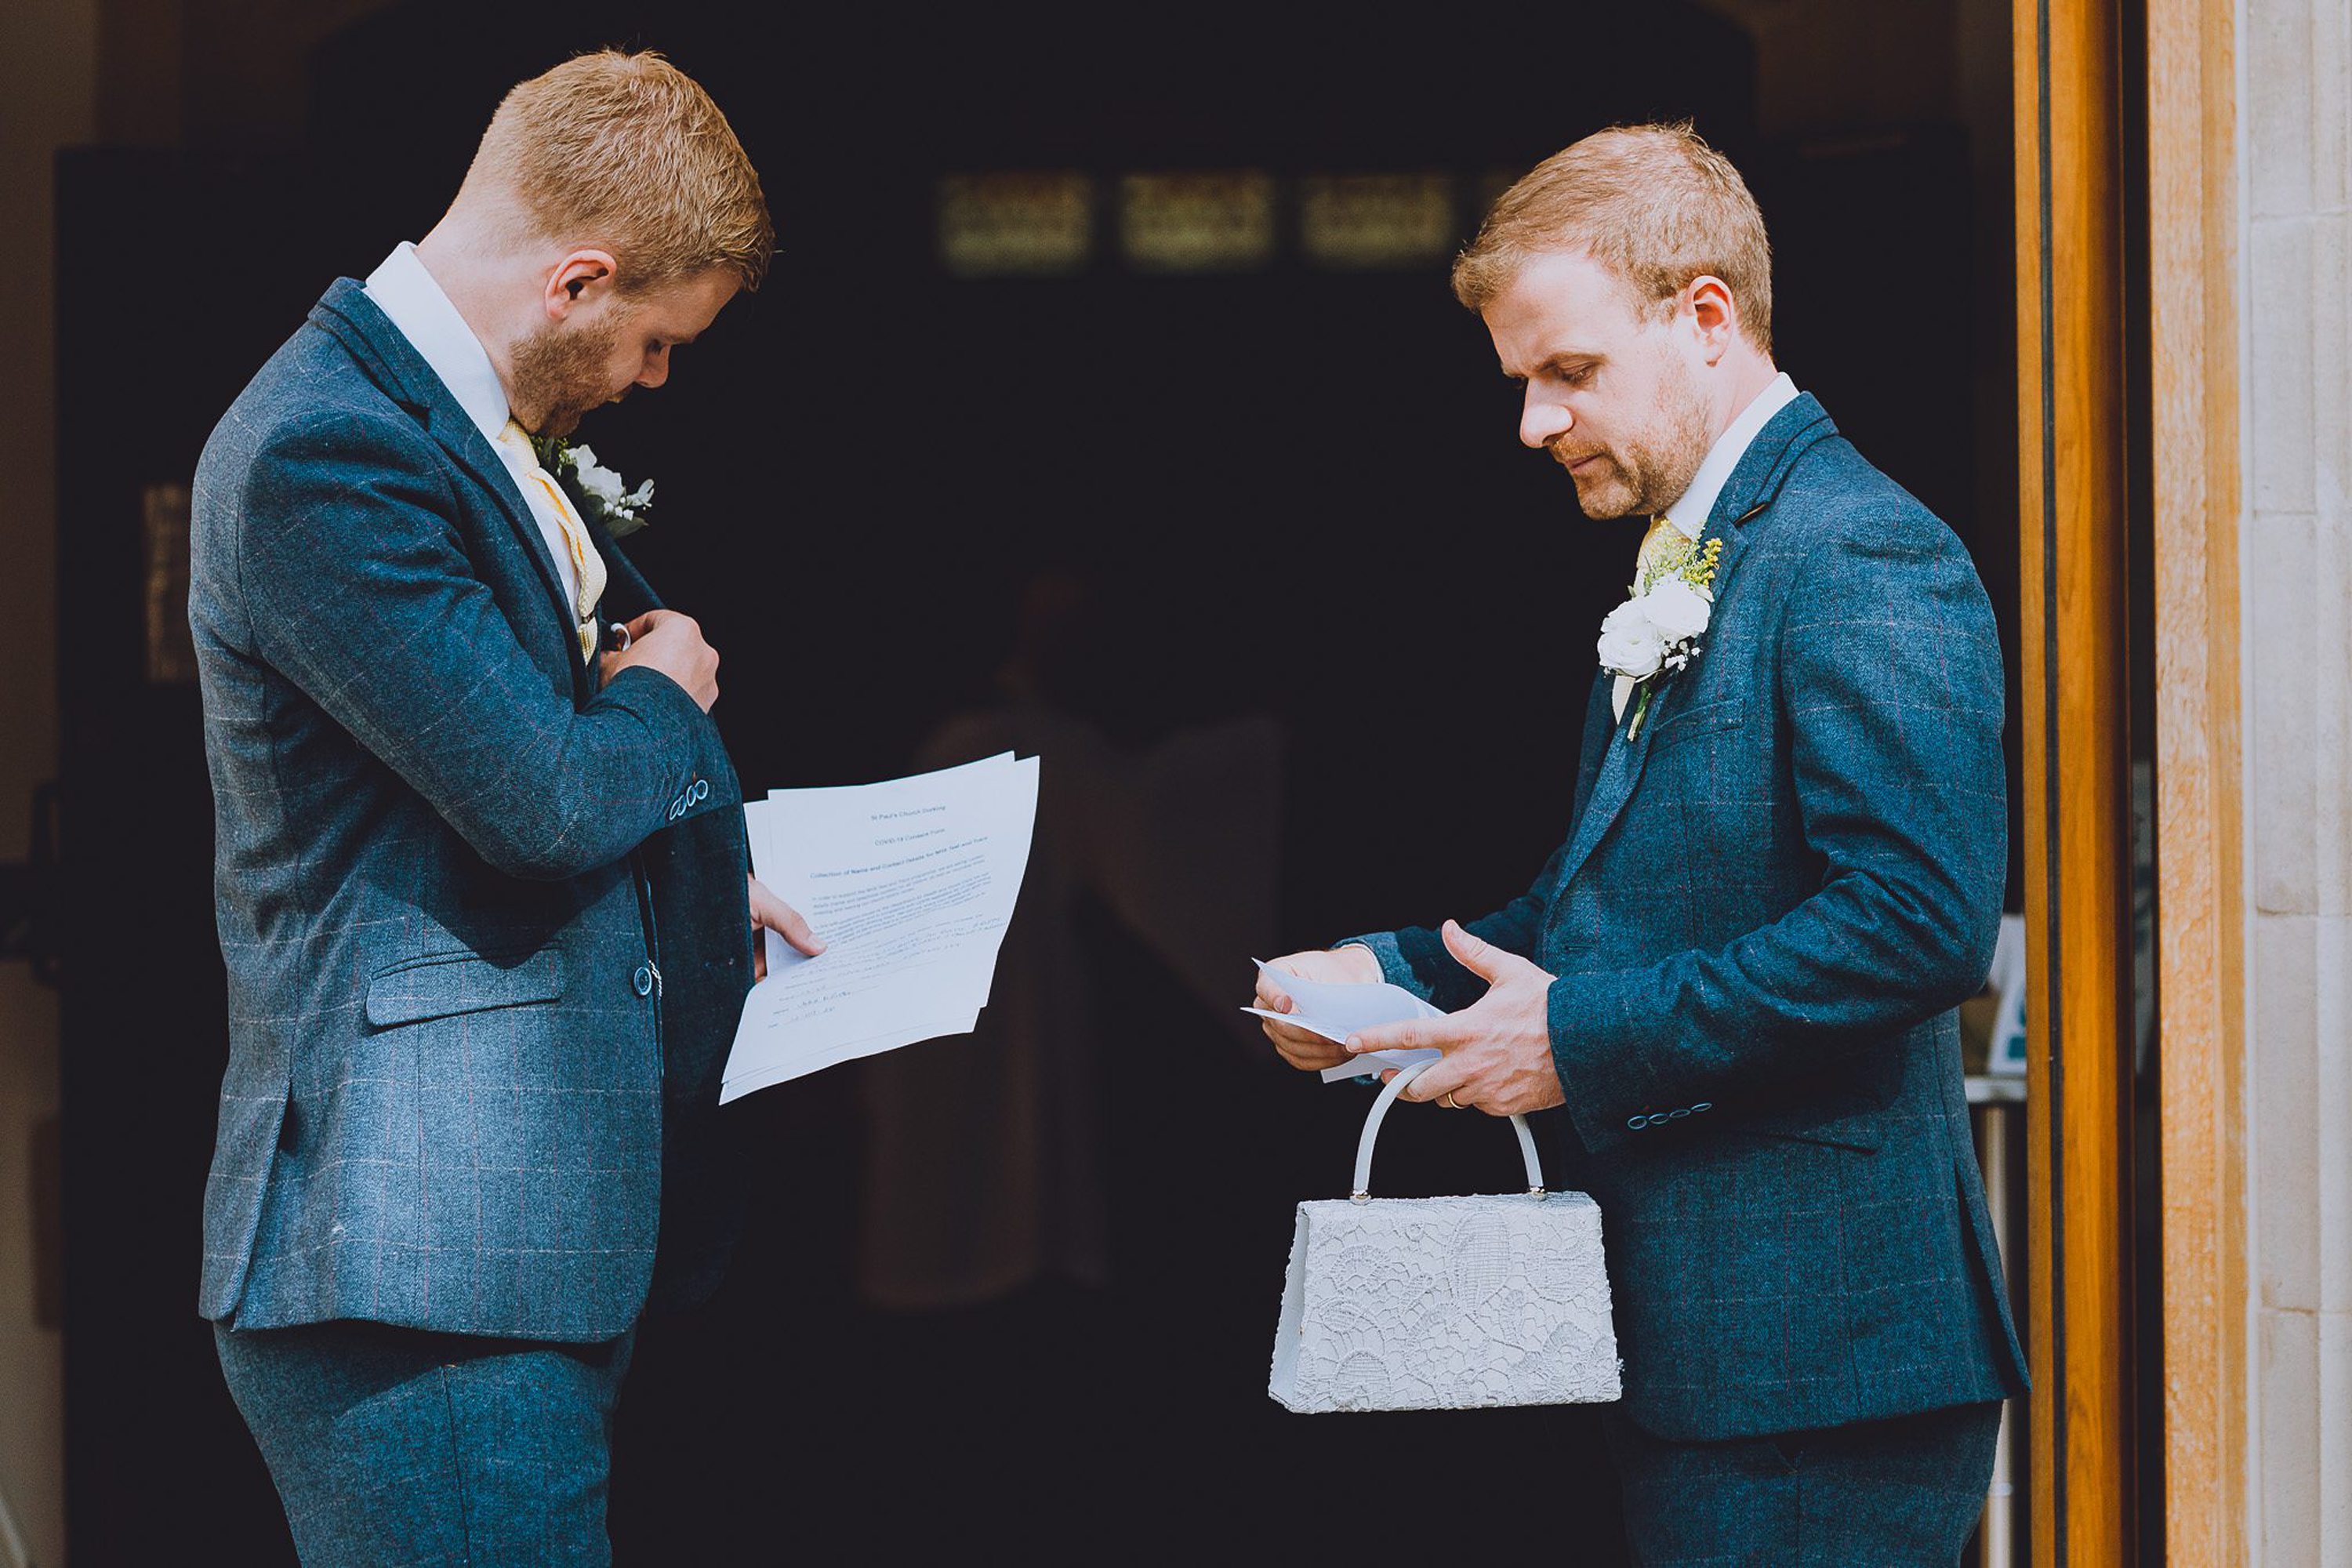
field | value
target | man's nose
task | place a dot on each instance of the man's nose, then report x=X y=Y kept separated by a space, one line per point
x=1542 y=420
x=656 y=370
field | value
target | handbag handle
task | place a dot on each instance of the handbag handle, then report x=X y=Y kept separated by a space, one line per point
x=1361 y=1192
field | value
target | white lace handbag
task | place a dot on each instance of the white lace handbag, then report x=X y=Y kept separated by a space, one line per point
x=1444 y=1303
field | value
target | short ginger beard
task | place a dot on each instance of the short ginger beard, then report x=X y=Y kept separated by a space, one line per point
x=1648 y=471
x=559 y=375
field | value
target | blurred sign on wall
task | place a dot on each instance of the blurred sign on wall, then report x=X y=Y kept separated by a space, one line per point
x=170 y=648
x=1377 y=220
x=1016 y=224
x=1198 y=222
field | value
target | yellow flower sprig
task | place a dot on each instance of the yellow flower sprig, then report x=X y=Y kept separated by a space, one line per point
x=1687 y=559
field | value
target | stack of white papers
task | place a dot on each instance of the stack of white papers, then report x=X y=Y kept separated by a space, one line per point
x=910 y=884
x=1335 y=1009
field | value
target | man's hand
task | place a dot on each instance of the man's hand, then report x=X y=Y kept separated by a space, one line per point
x=672 y=644
x=770 y=913
x=1497 y=1049
x=1310 y=1052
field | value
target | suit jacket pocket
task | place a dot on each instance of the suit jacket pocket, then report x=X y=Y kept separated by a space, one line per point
x=448 y=983
x=1707 y=719
x=1840 y=1128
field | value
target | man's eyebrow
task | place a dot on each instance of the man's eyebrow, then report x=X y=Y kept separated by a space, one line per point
x=1566 y=357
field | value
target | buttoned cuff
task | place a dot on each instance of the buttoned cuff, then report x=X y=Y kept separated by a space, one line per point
x=1602 y=1041
x=699 y=778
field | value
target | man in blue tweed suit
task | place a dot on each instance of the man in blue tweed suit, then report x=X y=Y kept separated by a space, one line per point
x=483 y=890
x=1783 y=870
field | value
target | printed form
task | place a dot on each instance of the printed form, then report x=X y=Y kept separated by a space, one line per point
x=911 y=883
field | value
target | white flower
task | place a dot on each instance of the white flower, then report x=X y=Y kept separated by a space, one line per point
x=1677 y=609
x=595 y=478
x=603 y=494
x=1630 y=644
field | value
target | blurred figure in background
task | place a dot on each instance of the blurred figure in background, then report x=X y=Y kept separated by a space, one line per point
x=985 y=1168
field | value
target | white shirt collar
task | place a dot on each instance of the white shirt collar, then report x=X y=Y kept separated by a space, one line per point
x=1690 y=513
x=406 y=293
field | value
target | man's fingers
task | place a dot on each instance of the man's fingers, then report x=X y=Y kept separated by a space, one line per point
x=1436 y=1080
x=1412 y=1035
x=768 y=911
x=789 y=925
x=1479 y=956
x=1283 y=1032
x=1305 y=1041
x=1309 y=1052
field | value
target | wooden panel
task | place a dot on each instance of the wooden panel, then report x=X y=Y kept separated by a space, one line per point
x=2193 y=381
x=2074 y=717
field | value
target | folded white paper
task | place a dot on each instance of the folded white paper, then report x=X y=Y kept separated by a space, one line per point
x=1337 y=1008
x=910 y=883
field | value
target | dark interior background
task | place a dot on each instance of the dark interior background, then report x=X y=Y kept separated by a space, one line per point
x=860 y=470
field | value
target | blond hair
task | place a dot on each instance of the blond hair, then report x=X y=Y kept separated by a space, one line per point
x=1653 y=204
x=627 y=152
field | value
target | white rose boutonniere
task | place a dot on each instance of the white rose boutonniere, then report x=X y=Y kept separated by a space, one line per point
x=595 y=490
x=1679 y=609
x=1629 y=643
x=1656 y=630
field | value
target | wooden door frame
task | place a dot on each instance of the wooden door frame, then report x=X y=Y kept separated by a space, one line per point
x=2076 y=706
x=2073 y=422
x=2200 y=770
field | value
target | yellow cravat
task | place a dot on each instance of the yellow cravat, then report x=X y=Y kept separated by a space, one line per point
x=1655 y=544
x=587 y=566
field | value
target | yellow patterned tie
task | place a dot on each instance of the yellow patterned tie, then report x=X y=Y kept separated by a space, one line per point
x=587 y=566
x=1655 y=544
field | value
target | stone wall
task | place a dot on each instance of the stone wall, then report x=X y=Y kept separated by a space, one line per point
x=2296 y=117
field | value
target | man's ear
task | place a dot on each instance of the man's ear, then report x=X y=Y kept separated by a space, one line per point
x=579 y=278
x=1711 y=305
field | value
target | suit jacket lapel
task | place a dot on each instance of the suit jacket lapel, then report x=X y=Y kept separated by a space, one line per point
x=1596 y=722
x=1612 y=785
x=1746 y=497
x=386 y=353
x=1756 y=482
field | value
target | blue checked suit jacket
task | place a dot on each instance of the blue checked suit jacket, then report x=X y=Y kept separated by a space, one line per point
x=484 y=925
x=1770 y=900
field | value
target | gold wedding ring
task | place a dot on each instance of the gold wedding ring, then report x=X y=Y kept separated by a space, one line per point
x=1447 y=1099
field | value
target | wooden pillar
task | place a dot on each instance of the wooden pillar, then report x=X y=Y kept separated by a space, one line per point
x=2199 y=823
x=2074 y=717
